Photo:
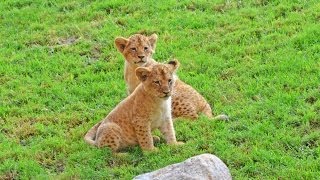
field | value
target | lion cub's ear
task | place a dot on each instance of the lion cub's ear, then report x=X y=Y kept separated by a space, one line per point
x=153 y=40
x=121 y=43
x=174 y=64
x=142 y=73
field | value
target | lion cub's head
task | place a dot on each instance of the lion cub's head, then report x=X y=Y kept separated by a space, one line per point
x=137 y=49
x=158 y=79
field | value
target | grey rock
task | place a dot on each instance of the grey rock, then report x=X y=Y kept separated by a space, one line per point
x=205 y=166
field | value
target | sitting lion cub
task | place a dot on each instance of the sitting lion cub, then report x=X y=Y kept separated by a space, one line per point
x=147 y=108
x=186 y=101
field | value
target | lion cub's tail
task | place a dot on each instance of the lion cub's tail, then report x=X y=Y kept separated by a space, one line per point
x=208 y=112
x=221 y=117
x=91 y=134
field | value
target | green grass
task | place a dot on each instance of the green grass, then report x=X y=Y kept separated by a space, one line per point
x=258 y=61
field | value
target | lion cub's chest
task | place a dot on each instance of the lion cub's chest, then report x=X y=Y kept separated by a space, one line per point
x=161 y=115
x=132 y=83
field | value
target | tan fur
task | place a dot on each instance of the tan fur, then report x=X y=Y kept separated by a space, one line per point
x=146 y=109
x=186 y=101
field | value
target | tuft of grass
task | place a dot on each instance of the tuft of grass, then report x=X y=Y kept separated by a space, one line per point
x=257 y=61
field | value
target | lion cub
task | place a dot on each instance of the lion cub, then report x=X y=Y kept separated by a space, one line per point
x=186 y=101
x=138 y=51
x=146 y=109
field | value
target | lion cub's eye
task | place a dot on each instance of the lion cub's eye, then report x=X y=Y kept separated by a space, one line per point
x=157 y=82
x=145 y=48
x=170 y=81
x=133 y=49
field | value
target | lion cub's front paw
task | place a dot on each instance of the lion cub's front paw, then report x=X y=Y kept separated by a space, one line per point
x=177 y=143
x=121 y=154
x=153 y=150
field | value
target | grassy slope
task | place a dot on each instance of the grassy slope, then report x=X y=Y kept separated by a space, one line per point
x=258 y=62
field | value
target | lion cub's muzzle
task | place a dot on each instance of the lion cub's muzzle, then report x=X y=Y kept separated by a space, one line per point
x=166 y=94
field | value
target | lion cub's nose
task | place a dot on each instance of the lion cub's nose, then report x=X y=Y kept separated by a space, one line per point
x=140 y=57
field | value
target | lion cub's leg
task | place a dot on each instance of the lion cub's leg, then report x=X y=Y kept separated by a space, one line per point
x=168 y=132
x=144 y=136
x=184 y=110
x=109 y=134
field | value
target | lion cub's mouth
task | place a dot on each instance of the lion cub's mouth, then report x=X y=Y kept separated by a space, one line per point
x=166 y=96
x=140 y=62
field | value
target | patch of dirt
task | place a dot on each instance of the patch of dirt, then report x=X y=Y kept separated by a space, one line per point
x=237 y=141
x=96 y=52
x=311 y=100
x=311 y=143
x=147 y=32
x=74 y=123
x=49 y=161
x=25 y=130
x=10 y=175
x=68 y=41
x=227 y=74
x=121 y=22
x=315 y=124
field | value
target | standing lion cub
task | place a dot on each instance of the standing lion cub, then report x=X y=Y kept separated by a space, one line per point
x=146 y=109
